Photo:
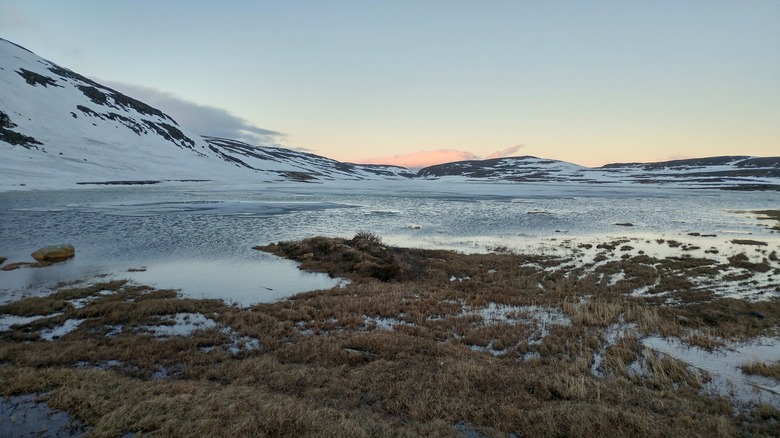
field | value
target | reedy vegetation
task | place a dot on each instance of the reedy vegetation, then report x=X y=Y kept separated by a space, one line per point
x=409 y=348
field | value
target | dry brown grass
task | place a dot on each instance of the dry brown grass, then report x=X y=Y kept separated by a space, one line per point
x=390 y=356
x=742 y=261
x=763 y=369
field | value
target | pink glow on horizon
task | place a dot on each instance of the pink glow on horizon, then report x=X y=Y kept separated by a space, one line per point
x=417 y=160
x=421 y=159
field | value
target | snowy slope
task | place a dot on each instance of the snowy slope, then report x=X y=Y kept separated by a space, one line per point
x=298 y=165
x=59 y=129
x=719 y=172
x=528 y=169
x=711 y=171
x=58 y=126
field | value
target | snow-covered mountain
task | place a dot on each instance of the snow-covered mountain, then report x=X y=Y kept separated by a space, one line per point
x=722 y=172
x=59 y=128
x=297 y=165
x=733 y=171
x=526 y=169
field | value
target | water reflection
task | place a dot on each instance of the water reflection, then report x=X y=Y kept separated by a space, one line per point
x=237 y=282
x=199 y=238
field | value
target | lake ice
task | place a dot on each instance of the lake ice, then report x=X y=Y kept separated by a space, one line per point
x=198 y=238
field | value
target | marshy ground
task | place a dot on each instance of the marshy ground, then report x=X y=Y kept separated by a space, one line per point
x=419 y=343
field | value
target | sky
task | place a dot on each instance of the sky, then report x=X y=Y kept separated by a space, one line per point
x=416 y=82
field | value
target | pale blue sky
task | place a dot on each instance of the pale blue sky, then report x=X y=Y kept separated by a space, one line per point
x=584 y=81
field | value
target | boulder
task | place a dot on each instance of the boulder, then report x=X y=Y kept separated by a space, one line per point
x=54 y=253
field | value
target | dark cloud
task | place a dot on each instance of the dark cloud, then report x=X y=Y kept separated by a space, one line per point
x=201 y=119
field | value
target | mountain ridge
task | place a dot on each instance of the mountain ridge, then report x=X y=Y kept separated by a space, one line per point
x=59 y=128
x=738 y=171
x=59 y=124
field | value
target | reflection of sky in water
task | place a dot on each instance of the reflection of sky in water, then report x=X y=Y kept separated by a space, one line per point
x=200 y=239
x=723 y=366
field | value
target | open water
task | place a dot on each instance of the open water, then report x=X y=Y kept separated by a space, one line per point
x=199 y=238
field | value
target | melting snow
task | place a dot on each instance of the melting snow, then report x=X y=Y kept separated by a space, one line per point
x=183 y=325
x=62 y=330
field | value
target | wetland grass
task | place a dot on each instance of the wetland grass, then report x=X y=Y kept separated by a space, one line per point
x=421 y=343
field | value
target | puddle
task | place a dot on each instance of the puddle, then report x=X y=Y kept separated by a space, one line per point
x=723 y=367
x=26 y=415
x=242 y=283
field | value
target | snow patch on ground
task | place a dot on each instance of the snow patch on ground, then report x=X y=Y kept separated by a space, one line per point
x=7 y=321
x=181 y=324
x=61 y=330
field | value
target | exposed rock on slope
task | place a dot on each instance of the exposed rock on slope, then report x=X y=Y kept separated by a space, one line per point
x=725 y=172
x=59 y=128
x=298 y=165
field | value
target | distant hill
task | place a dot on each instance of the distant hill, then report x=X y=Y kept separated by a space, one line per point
x=750 y=173
x=60 y=129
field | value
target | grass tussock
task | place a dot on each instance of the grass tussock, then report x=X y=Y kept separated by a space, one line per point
x=763 y=369
x=422 y=343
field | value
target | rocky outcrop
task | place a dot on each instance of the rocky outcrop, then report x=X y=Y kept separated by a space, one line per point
x=54 y=253
x=2 y=260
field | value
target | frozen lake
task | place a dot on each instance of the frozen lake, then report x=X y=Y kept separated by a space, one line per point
x=199 y=238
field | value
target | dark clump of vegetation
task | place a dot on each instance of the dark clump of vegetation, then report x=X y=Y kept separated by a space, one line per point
x=360 y=258
x=743 y=261
x=748 y=242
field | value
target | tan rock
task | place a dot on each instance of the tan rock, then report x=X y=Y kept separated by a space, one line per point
x=54 y=253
